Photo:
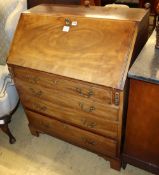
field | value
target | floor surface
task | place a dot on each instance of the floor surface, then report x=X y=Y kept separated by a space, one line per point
x=49 y=156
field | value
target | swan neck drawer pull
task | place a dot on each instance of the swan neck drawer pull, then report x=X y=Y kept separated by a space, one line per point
x=40 y=108
x=88 y=95
x=90 y=109
x=46 y=125
x=88 y=124
x=88 y=141
x=36 y=93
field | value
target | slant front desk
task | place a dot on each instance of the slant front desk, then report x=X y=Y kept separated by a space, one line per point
x=70 y=67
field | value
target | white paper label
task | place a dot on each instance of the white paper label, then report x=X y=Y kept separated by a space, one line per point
x=74 y=23
x=66 y=28
x=1 y=122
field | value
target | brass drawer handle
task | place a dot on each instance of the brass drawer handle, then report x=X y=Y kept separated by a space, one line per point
x=88 y=124
x=40 y=108
x=65 y=126
x=88 y=95
x=90 y=109
x=30 y=79
x=54 y=81
x=36 y=93
x=46 y=125
x=88 y=141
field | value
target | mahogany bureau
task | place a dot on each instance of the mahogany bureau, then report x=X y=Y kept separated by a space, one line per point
x=70 y=66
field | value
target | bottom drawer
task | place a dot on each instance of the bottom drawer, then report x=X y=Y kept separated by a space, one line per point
x=74 y=135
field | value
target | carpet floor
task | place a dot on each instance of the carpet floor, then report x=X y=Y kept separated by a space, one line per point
x=49 y=156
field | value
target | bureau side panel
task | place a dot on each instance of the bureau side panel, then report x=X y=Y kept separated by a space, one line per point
x=142 y=36
x=142 y=129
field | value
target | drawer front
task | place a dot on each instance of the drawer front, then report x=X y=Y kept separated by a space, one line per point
x=47 y=103
x=74 y=135
x=65 y=85
x=108 y=112
x=91 y=123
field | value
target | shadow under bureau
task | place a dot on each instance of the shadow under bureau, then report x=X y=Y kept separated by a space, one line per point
x=70 y=66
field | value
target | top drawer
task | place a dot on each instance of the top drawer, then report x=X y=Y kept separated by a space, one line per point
x=86 y=90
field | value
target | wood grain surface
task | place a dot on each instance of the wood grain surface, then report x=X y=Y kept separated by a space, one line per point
x=74 y=135
x=141 y=143
x=53 y=82
x=54 y=96
x=139 y=16
x=90 y=51
x=128 y=14
x=90 y=115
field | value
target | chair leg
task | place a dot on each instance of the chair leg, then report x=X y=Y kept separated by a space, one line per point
x=6 y=130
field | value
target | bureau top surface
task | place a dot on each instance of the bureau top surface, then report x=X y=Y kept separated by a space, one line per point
x=133 y=14
x=96 y=50
x=146 y=66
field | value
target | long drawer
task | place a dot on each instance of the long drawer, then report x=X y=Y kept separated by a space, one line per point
x=91 y=123
x=109 y=112
x=78 y=88
x=101 y=120
x=74 y=135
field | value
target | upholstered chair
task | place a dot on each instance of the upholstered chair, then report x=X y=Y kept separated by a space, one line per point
x=8 y=100
x=10 y=11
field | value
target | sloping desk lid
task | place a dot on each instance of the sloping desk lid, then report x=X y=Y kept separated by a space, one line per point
x=96 y=50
